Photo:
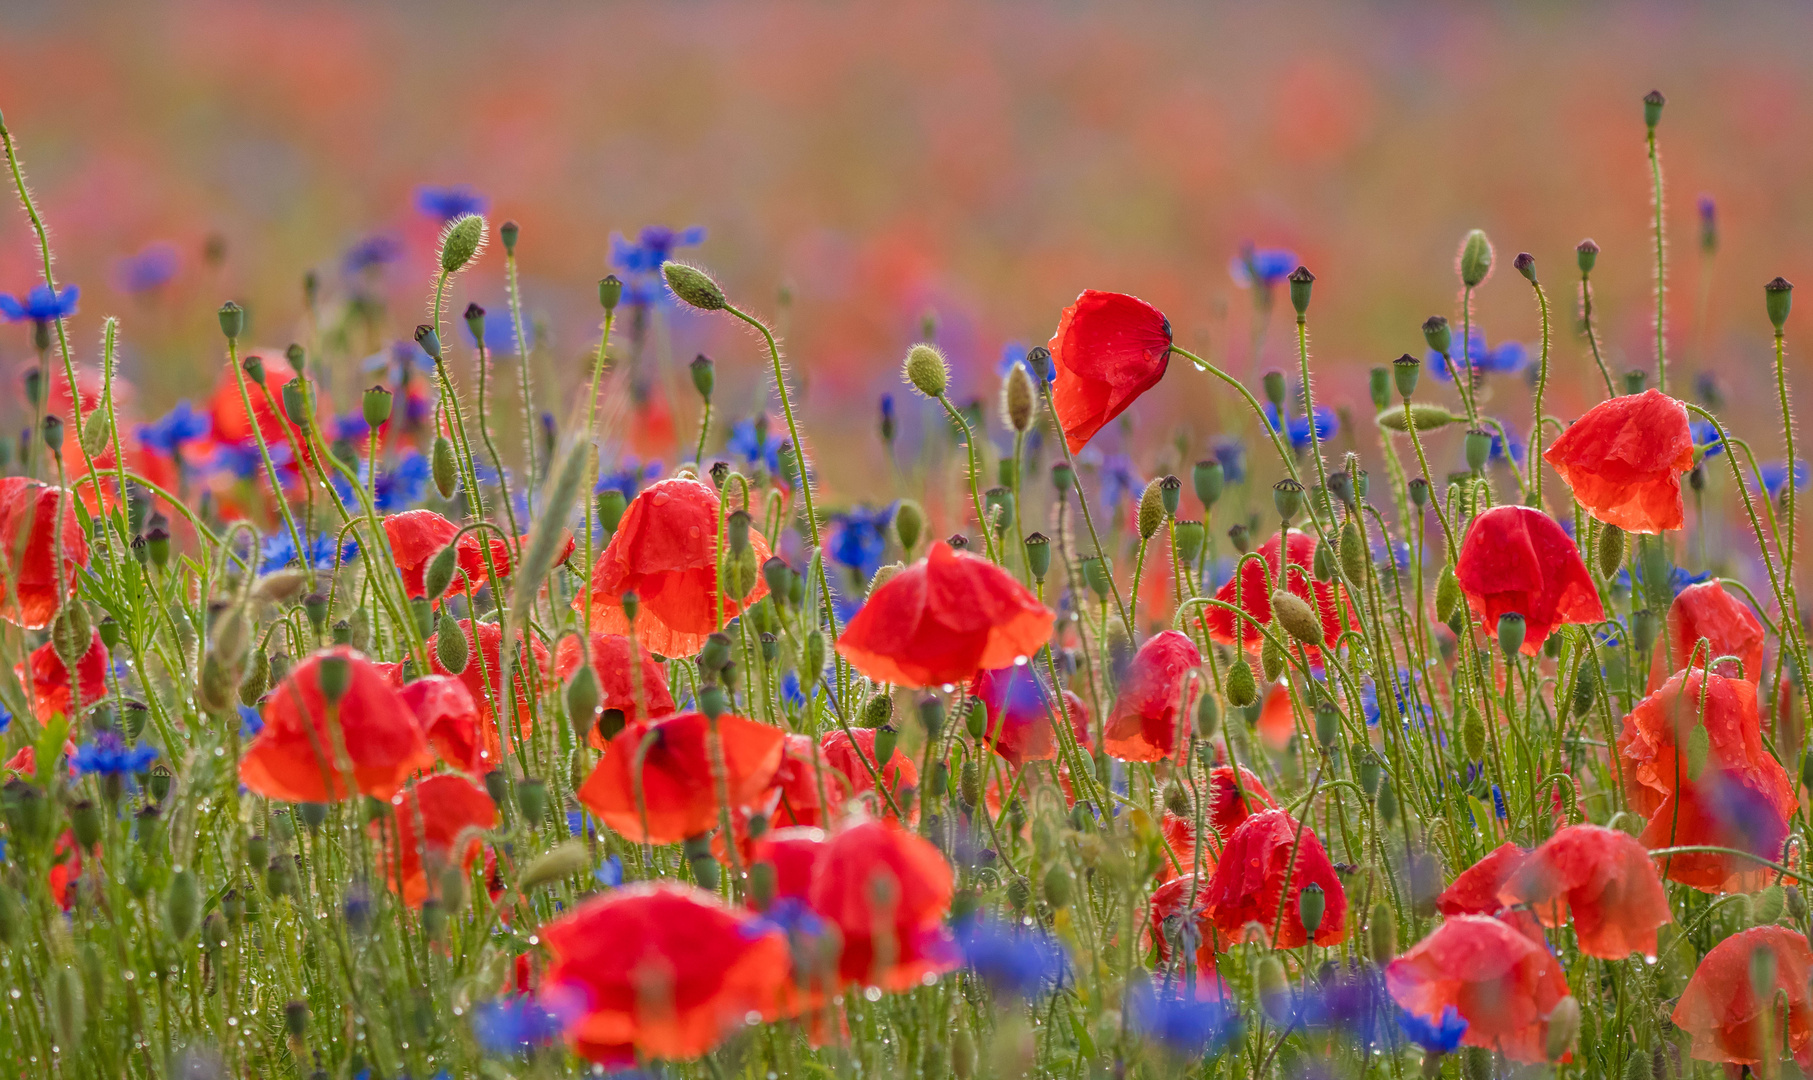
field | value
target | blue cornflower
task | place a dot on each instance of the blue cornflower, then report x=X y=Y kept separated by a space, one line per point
x=1014 y=352
x=1013 y=960
x=250 y=723
x=513 y=1025
x=40 y=304
x=609 y=872
x=1183 y=1026
x=1119 y=481
x=149 y=269
x=350 y=427
x=1678 y=579
x=239 y=459
x=1231 y=453
x=372 y=253
x=1263 y=266
x=1706 y=438
x=446 y=203
x=1775 y=475
x=655 y=245
x=109 y=755
x=174 y=428
x=1506 y=358
x=746 y=444
x=860 y=538
x=1296 y=428
x=1351 y=1000
x=403 y=486
x=629 y=477
x=1401 y=699
x=887 y=409
x=791 y=693
x=1498 y=804
x=1442 y=1035
x=500 y=334
x=6 y=719
x=1497 y=450
x=277 y=551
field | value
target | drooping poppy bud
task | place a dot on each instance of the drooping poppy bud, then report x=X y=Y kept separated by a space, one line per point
x=1108 y=350
x=1624 y=461
x=1255 y=596
x=1517 y=559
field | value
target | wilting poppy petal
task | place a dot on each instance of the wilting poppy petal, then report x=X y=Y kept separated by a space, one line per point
x=636 y=694
x=1624 y=460
x=943 y=619
x=1723 y=1012
x=665 y=551
x=1475 y=891
x=1231 y=803
x=1707 y=611
x=1249 y=592
x=676 y=791
x=1517 y=560
x=1604 y=879
x=666 y=968
x=1020 y=710
x=853 y=756
x=887 y=891
x=1150 y=708
x=1502 y=983
x=30 y=513
x=369 y=743
x=1250 y=882
x=484 y=679
x=450 y=720
x=49 y=685
x=421 y=836
x=1108 y=350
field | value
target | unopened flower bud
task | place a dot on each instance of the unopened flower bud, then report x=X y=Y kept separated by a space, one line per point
x=1652 y=109
x=1017 y=398
x=1475 y=259
x=508 y=232
x=475 y=323
x=694 y=286
x=450 y=645
x=926 y=370
x=704 y=376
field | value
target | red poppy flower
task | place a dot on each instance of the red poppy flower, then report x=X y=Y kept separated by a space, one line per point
x=1722 y=1011
x=1475 y=891
x=1181 y=849
x=667 y=969
x=306 y=751
x=65 y=869
x=1229 y=805
x=679 y=794
x=421 y=837
x=1624 y=460
x=1277 y=719
x=794 y=855
x=1500 y=982
x=450 y=721
x=943 y=619
x=1605 y=880
x=29 y=513
x=484 y=679
x=1707 y=611
x=808 y=789
x=1178 y=911
x=1256 y=598
x=887 y=891
x=853 y=755
x=228 y=412
x=49 y=686
x=1250 y=882
x=417 y=536
x=1516 y=560
x=1741 y=798
x=1109 y=349
x=1020 y=711
x=1151 y=706
x=665 y=551
x=624 y=690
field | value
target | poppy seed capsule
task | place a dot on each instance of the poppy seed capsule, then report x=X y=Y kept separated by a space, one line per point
x=376 y=406
x=926 y=370
x=1287 y=499
x=475 y=323
x=1328 y=725
x=1151 y=510
x=1419 y=492
x=508 y=232
x=1475 y=259
x=1652 y=109
x=610 y=292
x=1208 y=478
x=429 y=339
x=715 y=653
x=1511 y=630
x=1437 y=334
x=1382 y=934
x=931 y=716
x=1273 y=384
x=1038 y=555
x=886 y=738
x=1778 y=298
x=1063 y=477
x=441 y=462
x=1170 y=491
x=232 y=320
x=611 y=506
x=450 y=645
x=1378 y=386
x=1095 y=573
x=182 y=905
x=1189 y=537
x=1296 y=616
x=704 y=375
x=462 y=240
x=1525 y=264
x=1016 y=398
x=1312 y=904
x=694 y=286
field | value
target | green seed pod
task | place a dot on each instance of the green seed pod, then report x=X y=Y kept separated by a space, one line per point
x=1312 y=904
x=1448 y=596
x=1189 y=539
x=1778 y=298
x=280 y=876
x=610 y=292
x=1378 y=387
x=1208 y=717
x=1271 y=659
x=1586 y=255
x=1382 y=934
x=182 y=905
x=68 y=1011
x=450 y=645
x=1525 y=264
x=232 y=320
x=1611 y=549
x=1328 y=724
x=1586 y=685
x=926 y=370
x=1038 y=555
x=85 y=821
x=1388 y=803
x=463 y=239
x=446 y=477
x=886 y=738
x=969 y=783
x=1511 y=631
x=439 y=574
x=694 y=286
x=931 y=715
x=1274 y=988
x=1475 y=259
x=1644 y=627
x=1287 y=499
x=335 y=675
x=1242 y=689
x=1323 y=564
x=1300 y=281
x=1564 y=1027
x=1272 y=383
x=532 y=799
x=1208 y=478
x=1473 y=734
x=1369 y=772
x=1478 y=448
x=909 y=525
x=1296 y=616
x=1652 y=109
x=1057 y=886
x=704 y=375
x=1424 y=416
x=611 y=505
x=1766 y=906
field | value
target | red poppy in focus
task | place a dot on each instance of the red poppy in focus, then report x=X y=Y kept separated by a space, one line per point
x=1230 y=805
x=49 y=686
x=1500 y=982
x=1109 y=349
x=1150 y=708
x=304 y=756
x=29 y=533
x=666 y=969
x=1250 y=881
x=665 y=551
x=1020 y=711
x=853 y=756
x=1624 y=460
x=484 y=679
x=887 y=891
x=449 y=718
x=679 y=794
x=1475 y=891
x=624 y=689
x=1707 y=611
x=1605 y=880
x=417 y=536
x=943 y=619
x=797 y=785
x=1741 y=798
x=1255 y=598
x=1723 y=1012
x=425 y=829
x=1517 y=560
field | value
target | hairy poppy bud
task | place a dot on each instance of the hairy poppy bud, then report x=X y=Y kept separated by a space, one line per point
x=1447 y=595
x=1300 y=281
x=694 y=286
x=1056 y=886
x=1324 y=562
x=1312 y=904
x=429 y=339
x=1328 y=724
x=1475 y=259
x=1768 y=905
x=1353 y=552
x=257 y=679
x=1296 y=616
x=1525 y=264
x=182 y=905
x=1586 y=685
x=439 y=574
x=1273 y=384
x=1063 y=477
x=909 y=522
x=812 y=658
x=532 y=799
x=1586 y=254
x=1208 y=478
x=1778 y=297
x=1096 y=575
x=462 y=240
x=1287 y=498
x=1242 y=689
x=232 y=320
x=1038 y=555
x=1382 y=934
x=1473 y=735
x=1611 y=549
x=68 y=1010
x=931 y=716
x=1652 y=109
x=704 y=375
x=926 y=370
x=1644 y=627
x=441 y=465
x=583 y=694
x=1016 y=398
x=1272 y=659
x=450 y=645
x=611 y=506
x=1151 y=510
x=969 y=783
x=508 y=232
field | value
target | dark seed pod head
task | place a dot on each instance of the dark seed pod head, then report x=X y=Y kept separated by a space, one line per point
x=1525 y=264
x=1038 y=554
x=253 y=366
x=610 y=292
x=704 y=375
x=508 y=233
x=429 y=339
x=1652 y=108
x=1239 y=536
x=1438 y=334
x=1170 y=490
x=376 y=405
x=1778 y=297
x=1287 y=499
x=1300 y=281
x=232 y=320
x=1038 y=358
x=1586 y=254
x=1208 y=478
x=1407 y=370
x=475 y=322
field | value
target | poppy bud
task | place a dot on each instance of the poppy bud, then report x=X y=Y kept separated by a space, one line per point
x=1525 y=264
x=1300 y=280
x=812 y=658
x=1038 y=554
x=462 y=240
x=694 y=286
x=1353 y=554
x=313 y=814
x=1511 y=630
x=1778 y=297
x=583 y=695
x=53 y=434
x=453 y=877
x=1447 y=595
x=68 y=1010
x=1796 y=903
x=1475 y=259
x=1644 y=627
x=1564 y=1027
x=232 y=320
x=1652 y=109
x=877 y=711
x=610 y=292
x=430 y=340
x=1611 y=549
x=336 y=676
x=969 y=783
x=376 y=405
x=886 y=738
x=1768 y=905
x=1378 y=386
x=1189 y=539
x=450 y=645
x=1473 y=735
x=715 y=653
x=611 y=506
x=1063 y=477
x=1273 y=384
x=1057 y=886
x=704 y=376
x=1151 y=510
x=1208 y=477
x=1324 y=562
x=926 y=370
x=1095 y=573
x=1274 y=989
x=85 y=822
x=1382 y=934
x=280 y=876
x=1294 y=614
x=1328 y=724
x=1586 y=685
x=441 y=459
x=1016 y=398
x=532 y=799
x=1242 y=690
x=1634 y=380
x=931 y=716
x=1287 y=498
x=182 y=904
x=1419 y=492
